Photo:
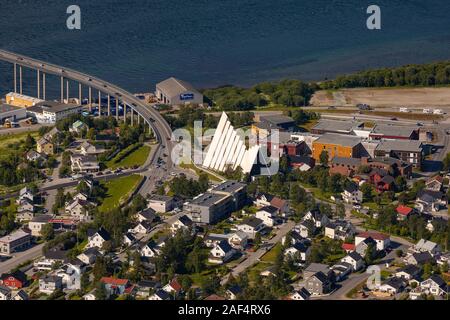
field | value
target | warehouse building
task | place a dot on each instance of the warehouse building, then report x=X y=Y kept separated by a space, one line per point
x=177 y=92
x=410 y=151
x=52 y=111
x=21 y=100
x=12 y=113
x=338 y=145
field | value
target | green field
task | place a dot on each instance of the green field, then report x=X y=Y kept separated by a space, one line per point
x=7 y=140
x=137 y=157
x=118 y=191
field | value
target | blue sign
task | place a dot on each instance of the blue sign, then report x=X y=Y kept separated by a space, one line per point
x=186 y=96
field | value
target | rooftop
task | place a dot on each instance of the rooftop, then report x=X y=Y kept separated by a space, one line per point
x=208 y=199
x=337 y=125
x=229 y=186
x=400 y=145
x=52 y=106
x=16 y=235
x=7 y=108
x=174 y=87
x=339 y=139
x=393 y=130
x=277 y=119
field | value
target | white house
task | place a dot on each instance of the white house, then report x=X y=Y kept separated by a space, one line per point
x=184 y=222
x=50 y=284
x=382 y=240
x=426 y=246
x=97 y=239
x=298 y=250
x=352 y=194
x=320 y=220
x=149 y=250
x=221 y=253
x=70 y=275
x=238 y=240
x=435 y=285
x=355 y=260
x=89 y=256
x=300 y=295
x=251 y=227
x=268 y=215
x=340 y=230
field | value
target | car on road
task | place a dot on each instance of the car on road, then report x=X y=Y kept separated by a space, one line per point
x=394 y=119
x=99 y=174
x=420 y=124
x=447 y=132
x=4 y=258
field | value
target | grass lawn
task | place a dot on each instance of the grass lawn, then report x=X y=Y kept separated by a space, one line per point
x=272 y=254
x=119 y=190
x=8 y=139
x=198 y=171
x=137 y=157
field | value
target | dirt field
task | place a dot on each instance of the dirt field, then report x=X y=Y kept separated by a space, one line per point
x=385 y=98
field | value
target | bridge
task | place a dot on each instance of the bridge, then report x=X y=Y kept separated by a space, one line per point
x=153 y=118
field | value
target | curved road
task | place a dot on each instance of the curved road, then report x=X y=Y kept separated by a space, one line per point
x=160 y=126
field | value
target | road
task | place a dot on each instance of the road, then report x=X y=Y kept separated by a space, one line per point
x=21 y=257
x=254 y=257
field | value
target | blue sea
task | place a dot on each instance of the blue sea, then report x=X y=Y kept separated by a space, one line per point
x=137 y=43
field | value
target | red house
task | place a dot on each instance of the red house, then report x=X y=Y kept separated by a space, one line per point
x=16 y=280
x=385 y=184
x=403 y=212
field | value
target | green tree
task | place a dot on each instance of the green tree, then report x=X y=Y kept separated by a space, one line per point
x=324 y=158
x=47 y=232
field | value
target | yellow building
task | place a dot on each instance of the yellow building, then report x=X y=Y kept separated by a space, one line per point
x=20 y=100
x=45 y=146
x=342 y=146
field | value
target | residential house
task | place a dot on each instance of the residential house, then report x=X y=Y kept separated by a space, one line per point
x=144 y=287
x=26 y=194
x=435 y=285
x=361 y=247
x=238 y=240
x=221 y=253
x=5 y=293
x=341 y=270
x=50 y=259
x=212 y=239
x=26 y=215
x=148 y=215
x=266 y=200
x=299 y=251
x=355 y=260
x=33 y=155
x=233 y=292
x=161 y=295
x=251 y=226
x=435 y=183
x=116 y=286
x=306 y=229
x=382 y=240
x=89 y=256
x=26 y=206
x=318 y=284
x=393 y=285
x=427 y=246
x=173 y=288
x=404 y=212
x=84 y=164
x=45 y=146
x=149 y=249
x=183 y=223
x=408 y=272
x=14 y=280
x=128 y=239
x=340 y=230
x=268 y=215
x=319 y=219
x=313 y=268
x=38 y=222
x=348 y=247
x=50 y=284
x=300 y=295
x=20 y=296
x=78 y=127
x=143 y=227
x=161 y=204
x=70 y=275
x=89 y=149
x=428 y=200
x=96 y=239
x=419 y=258
x=352 y=194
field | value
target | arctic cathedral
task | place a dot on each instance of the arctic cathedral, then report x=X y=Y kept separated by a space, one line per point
x=228 y=149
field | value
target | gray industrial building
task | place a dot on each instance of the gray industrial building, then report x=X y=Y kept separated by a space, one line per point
x=215 y=205
x=177 y=92
x=12 y=113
